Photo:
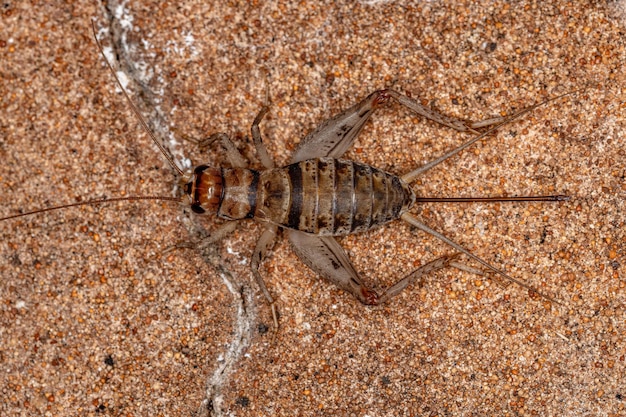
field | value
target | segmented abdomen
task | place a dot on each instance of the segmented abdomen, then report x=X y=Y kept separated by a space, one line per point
x=328 y=196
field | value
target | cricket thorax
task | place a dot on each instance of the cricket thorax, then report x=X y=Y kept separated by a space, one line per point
x=228 y=193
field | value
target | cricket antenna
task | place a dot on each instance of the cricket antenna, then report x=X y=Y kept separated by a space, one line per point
x=558 y=197
x=167 y=156
x=93 y=203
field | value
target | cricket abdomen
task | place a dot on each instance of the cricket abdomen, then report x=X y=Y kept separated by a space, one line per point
x=330 y=197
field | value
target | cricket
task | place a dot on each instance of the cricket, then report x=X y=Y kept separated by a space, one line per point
x=320 y=195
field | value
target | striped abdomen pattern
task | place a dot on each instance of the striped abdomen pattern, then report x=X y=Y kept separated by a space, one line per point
x=330 y=197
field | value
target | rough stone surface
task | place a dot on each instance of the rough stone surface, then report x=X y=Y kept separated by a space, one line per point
x=96 y=318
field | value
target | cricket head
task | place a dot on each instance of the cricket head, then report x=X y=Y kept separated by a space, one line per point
x=204 y=189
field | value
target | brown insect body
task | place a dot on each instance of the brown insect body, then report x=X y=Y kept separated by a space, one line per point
x=321 y=196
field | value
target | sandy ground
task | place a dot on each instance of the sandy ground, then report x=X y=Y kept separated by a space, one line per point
x=97 y=319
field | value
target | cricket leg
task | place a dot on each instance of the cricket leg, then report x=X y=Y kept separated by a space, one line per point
x=416 y=275
x=430 y=114
x=495 y=123
x=333 y=137
x=263 y=245
x=326 y=257
x=235 y=157
x=261 y=150
x=206 y=241
x=413 y=221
